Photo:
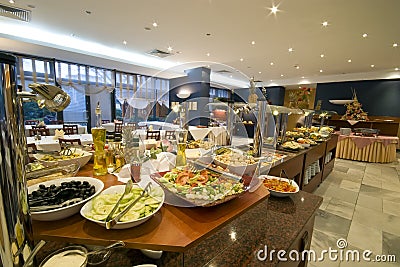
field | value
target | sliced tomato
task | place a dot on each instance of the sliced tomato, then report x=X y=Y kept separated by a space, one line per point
x=182 y=178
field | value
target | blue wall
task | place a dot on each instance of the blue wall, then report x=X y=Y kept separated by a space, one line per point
x=378 y=97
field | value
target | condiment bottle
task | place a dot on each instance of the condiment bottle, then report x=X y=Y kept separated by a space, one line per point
x=136 y=161
x=99 y=140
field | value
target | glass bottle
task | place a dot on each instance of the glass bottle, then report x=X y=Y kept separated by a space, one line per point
x=99 y=140
x=181 y=138
x=136 y=161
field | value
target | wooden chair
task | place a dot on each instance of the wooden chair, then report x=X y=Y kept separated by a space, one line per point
x=30 y=149
x=117 y=131
x=105 y=121
x=64 y=143
x=170 y=135
x=133 y=125
x=39 y=130
x=153 y=135
x=31 y=122
x=70 y=129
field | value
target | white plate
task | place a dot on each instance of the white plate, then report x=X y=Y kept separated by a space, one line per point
x=120 y=225
x=237 y=169
x=61 y=213
x=82 y=160
x=277 y=193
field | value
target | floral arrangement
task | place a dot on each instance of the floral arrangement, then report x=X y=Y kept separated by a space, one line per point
x=354 y=110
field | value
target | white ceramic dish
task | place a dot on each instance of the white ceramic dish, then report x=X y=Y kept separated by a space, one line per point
x=120 y=225
x=237 y=169
x=82 y=160
x=61 y=213
x=278 y=193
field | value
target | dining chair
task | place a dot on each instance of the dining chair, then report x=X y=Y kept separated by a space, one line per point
x=64 y=143
x=70 y=129
x=170 y=135
x=31 y=122
x=153 y=135
x=31 y=148
x=117 y=131
x=133 y=125
x=43 y=131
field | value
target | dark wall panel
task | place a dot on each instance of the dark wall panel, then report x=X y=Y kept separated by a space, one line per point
x=378 y=97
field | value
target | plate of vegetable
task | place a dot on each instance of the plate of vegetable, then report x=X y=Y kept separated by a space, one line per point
x=202 y=187
x=99 y=207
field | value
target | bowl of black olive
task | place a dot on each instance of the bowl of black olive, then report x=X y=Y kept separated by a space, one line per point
x=60 y=198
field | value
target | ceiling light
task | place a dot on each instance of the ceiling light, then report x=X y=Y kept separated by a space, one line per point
x=395 y=45
x=155 y=24
x=124 y=42
x=372 y=66
x=170 y=49
x=290 y=49
x=274 y=9
x=272 y=63
x=349 y=60
x=320 y=70
x=281 y=75
x=365 y=35
x=253 y=42
x=325 y=23
x=297 y=67
x=147 y=28
x=396 y=69
x=259 y=72
x=11 y=1
x=241 y=59
x=231 y=76
x=208 y=54
x=88 y=12
x=322 y=55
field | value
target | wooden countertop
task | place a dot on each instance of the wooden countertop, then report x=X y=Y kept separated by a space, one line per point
x=171 y=229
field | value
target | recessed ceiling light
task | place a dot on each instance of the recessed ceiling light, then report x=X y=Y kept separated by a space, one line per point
x=281 y=75
x=274 y=9
x=170 y=49
x=372 y=66
x=396 y=69
x=231 y=76
x=297 y=67
x=349 y=60
x=88 y=12
x=320 y=70
x=272 y=63
x=11 y=1
x=270 y=80
x=299 y=87
x=124 y=42
x=241 y=59
x=259 y=72
x=302 y=77
x=365 y=35
x=322 y=55
x=325 y=24
x=395 y=45
x=155 y=24
x=290 y=49
x=253 y=42
x=208 y=54
x=208 y=66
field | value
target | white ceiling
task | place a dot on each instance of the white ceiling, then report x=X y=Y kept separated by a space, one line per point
x=232 y=25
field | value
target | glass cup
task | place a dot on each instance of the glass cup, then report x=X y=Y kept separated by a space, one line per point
x=181 y=140
x=99 y=140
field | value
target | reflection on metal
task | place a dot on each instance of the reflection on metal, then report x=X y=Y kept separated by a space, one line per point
x=260 y=128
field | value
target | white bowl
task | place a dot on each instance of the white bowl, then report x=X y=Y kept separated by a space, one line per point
x=120 y=225
x=61 y=213
x=82 y=160
x=278 y=193
x=238 y=169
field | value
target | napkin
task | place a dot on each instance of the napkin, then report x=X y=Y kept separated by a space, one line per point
x=58 y=134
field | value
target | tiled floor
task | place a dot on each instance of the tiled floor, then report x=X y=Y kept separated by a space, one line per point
x=361 y=205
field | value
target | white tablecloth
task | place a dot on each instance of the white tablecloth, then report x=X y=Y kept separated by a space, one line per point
x=53 y=127
x=159 y=125
x=48 y=143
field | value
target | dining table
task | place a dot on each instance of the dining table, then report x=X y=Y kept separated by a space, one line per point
x=378 y=149
x=53 y=127
x=50 y=143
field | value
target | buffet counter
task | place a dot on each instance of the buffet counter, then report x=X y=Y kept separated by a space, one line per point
x=231 y=233
x=381 y=149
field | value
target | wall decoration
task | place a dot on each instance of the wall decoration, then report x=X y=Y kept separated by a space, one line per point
x=354 y=110
x=300 y=98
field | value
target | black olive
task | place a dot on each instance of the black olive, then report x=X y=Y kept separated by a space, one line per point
x=42 y=186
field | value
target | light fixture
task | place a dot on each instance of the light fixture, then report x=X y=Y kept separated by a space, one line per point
x=325 y=24
x=88 y=12
x=272 y=63
x=349 y=60
x=183 y=94
x=396 y=69
x=155 y=24
x=274 y=9
x=296 y=67
x=281 y=75
x=290 y=49
x=372 y=65
x=170 y=49
x=320 y=70
x=124 y=42
x=241 y=59
x=208 y=54
x=253 y=42
x=259 y=72
x=11 y=1
x=322 y=55
x=364 y=35
x=395 y=45
x=302 y=77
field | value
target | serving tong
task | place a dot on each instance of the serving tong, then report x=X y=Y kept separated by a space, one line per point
x=111 y=222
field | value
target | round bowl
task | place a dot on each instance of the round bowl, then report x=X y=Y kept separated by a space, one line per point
x=81 y=160
x=64 y=212
x=85 y=210
x=280 y=193
x=239 y=169
x=68 y=256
